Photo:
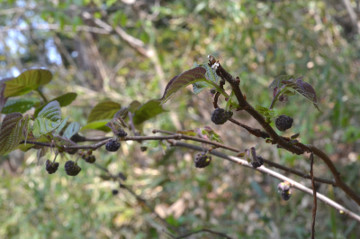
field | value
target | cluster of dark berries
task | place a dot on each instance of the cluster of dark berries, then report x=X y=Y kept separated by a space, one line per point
x=284 y=188
x=51 y=167
x=258 y=162
x=88 y=157
x=71 y=168
x=283 y=122
x=220 y=116
x=112 y=145
x=202 y=160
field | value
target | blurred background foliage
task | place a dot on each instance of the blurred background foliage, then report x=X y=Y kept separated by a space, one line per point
x=128 y=50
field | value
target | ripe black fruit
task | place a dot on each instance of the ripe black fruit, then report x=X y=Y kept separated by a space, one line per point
x=220 y=116
x=283 y=122
x=112 y=145
x=51 y=167
x=202 y=160
x=71 y=168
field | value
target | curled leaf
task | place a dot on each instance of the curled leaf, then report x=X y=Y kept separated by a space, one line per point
x=186 y=78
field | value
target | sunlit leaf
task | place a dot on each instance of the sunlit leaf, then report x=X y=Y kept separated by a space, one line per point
x=71 y=129
x=26 y=82
x=210 y=75
x=48 y=119
x=104 y=110
x=97 y=125
x=19 y=105
x=147 y=111
x=64 y=100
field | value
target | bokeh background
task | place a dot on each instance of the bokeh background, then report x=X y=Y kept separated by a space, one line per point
x=128 y=50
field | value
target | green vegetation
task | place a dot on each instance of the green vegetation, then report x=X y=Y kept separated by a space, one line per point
x=82 y=78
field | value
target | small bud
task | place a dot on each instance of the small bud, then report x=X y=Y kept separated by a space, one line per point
x=284 y=188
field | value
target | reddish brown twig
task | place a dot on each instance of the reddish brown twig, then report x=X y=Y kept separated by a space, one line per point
x=314 y=196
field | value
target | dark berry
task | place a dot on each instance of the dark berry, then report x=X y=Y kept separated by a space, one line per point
x=90 y=159
x=51 y=167
x=112 y=145
x=202 y=160
x=71 y=168
x=121 y=133
x=114 y=192
x=283 y=122
x=220 y=116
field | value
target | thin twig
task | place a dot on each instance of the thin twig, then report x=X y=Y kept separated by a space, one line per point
x=274 y=174
x=176 y=136
x=253 y=131
x=314 y=196
x=281 y=141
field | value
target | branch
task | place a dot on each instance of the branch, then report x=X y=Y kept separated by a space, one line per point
x=253 y=131
x=133 y=42
x=103 y=140
x=172 y=138
x=281 y=141
x=314 y=195
x=274 y=174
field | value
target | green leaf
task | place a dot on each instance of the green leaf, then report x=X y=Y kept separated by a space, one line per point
x=61 y=126
x=210 y=76
x=147 y=111
x=184 y=79
x=199 y=86
x=269 y=114
x=71 y=129
x=189 y=132
x=48 y=119
x=20 y=105
x=12 y=132
x=104 y=110
x=26 y=82
x=97 y=125
x=64 y=100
